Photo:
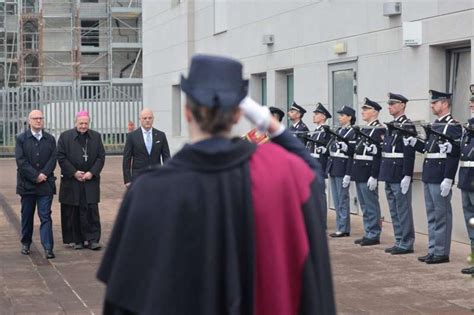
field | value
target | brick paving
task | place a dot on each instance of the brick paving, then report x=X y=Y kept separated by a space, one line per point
x=367 y=280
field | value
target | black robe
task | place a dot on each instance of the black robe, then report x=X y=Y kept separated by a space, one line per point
x=186 y=239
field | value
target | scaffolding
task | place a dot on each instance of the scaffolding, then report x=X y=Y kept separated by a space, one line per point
x=90 y=48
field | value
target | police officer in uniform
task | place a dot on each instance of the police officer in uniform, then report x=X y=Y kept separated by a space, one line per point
x=466 y=180
x=365 y=171
x=396 y=170
x=318 y=149
x=295 y=115
x=439 y=168
x=339 y=168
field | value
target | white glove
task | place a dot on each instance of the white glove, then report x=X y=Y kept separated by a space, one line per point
x=321 y=150
x=446 y=147
x=257 y=114
x=405 y=184
x=372 y=183
x=445 y=186
x=410 y=141
x=346 y=180
x=372 y=149
x=342 y=146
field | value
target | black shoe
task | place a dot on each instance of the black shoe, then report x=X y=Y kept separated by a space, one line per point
x=78 y=246
x=424 y=258
x=94 y=246
x=468 y=271
x=437 y=259
x=359 y=240
x=401 y=251
x=49 y=254
x=340 y=234
x=25 y=249
x=389 y=249
x=369 y=242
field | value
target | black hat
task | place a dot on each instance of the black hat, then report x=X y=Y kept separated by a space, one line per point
x=438 y=96
x=279 y=112
x=371 y=104
x=396 y=98
x=298 y=108
x=321 y=109
x=472 y=92
x=347 y=110
x=215 y=81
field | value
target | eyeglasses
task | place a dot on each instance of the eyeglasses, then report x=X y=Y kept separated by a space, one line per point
x=37 y=118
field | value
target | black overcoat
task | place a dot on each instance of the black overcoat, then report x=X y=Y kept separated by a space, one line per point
x=70 y=159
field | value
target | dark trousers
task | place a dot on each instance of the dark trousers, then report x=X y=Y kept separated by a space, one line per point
x=80 y=223
x=28 y=206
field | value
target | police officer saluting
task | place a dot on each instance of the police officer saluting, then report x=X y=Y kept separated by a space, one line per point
x=466 y=178
x=295 y=115
x=439 y=168
x=396 y=170
x=339 y=169
x=365 y=171
x=317 y=147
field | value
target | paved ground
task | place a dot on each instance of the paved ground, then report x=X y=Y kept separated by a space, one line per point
x=367 y=281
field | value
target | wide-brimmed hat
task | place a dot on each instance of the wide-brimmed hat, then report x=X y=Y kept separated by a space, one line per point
x=215 y=81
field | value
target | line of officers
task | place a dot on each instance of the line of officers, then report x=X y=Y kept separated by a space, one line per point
x=386 y=152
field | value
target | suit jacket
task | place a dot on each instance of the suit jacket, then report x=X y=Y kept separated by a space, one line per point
x=32 y=158
x=136 y=159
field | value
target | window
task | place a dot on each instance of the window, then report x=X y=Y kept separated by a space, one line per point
x=263 y=90
x=220 y=16
x=90 y=33
x=342 y=87
x=176 y=110
x=459 y=78
x=290 y=93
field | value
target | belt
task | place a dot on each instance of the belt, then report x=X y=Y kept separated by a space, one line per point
x=392 y=155
x=466 y=164
x=436 y=155
x=363 y=157
x=339 y=155
x=315 y=155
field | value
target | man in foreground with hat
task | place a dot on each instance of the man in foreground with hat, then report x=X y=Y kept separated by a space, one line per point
x=466 y=180
x=318 y=146
x=340 y=168
x=396 y=170
x=365 y=171
x=243 y=239
x=81 y=157
x=298 y=127
x=439 y=169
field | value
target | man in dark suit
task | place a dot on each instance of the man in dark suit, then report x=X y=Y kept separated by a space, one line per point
x=35 y=154
x=144 y=148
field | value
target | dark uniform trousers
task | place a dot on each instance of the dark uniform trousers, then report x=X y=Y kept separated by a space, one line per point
x=436 y=167
x=365 y=165
x=397 y=162
x=466 y=180
x=340 y=164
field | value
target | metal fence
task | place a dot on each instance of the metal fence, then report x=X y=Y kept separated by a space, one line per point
x=111 y=107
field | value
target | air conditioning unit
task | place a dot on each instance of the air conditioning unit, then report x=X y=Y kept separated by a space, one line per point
x=268 y=40
x=392 y=8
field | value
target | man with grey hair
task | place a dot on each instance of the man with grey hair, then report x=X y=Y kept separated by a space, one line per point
x=35 y=154
x=144 y=148
x=81 y=156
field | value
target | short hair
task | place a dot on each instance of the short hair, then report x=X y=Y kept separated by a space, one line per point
x=214 y=119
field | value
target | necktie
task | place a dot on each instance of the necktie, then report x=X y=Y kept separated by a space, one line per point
x=38 y=136
x=148 y=142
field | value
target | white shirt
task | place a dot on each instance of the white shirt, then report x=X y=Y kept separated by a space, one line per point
x=144 y=132
x=35 y=133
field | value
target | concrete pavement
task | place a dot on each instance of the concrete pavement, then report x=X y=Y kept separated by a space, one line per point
x=367 y=280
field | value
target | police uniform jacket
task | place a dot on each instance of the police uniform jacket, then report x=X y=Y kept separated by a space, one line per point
x=323 y=137
x=365 y=164
x=437 y=169
x=398 y=160
x=340 y=163
x=299 y=127
x=32 y=158
x=466 y=169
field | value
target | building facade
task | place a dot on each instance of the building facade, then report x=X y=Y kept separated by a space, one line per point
x=331 y=51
